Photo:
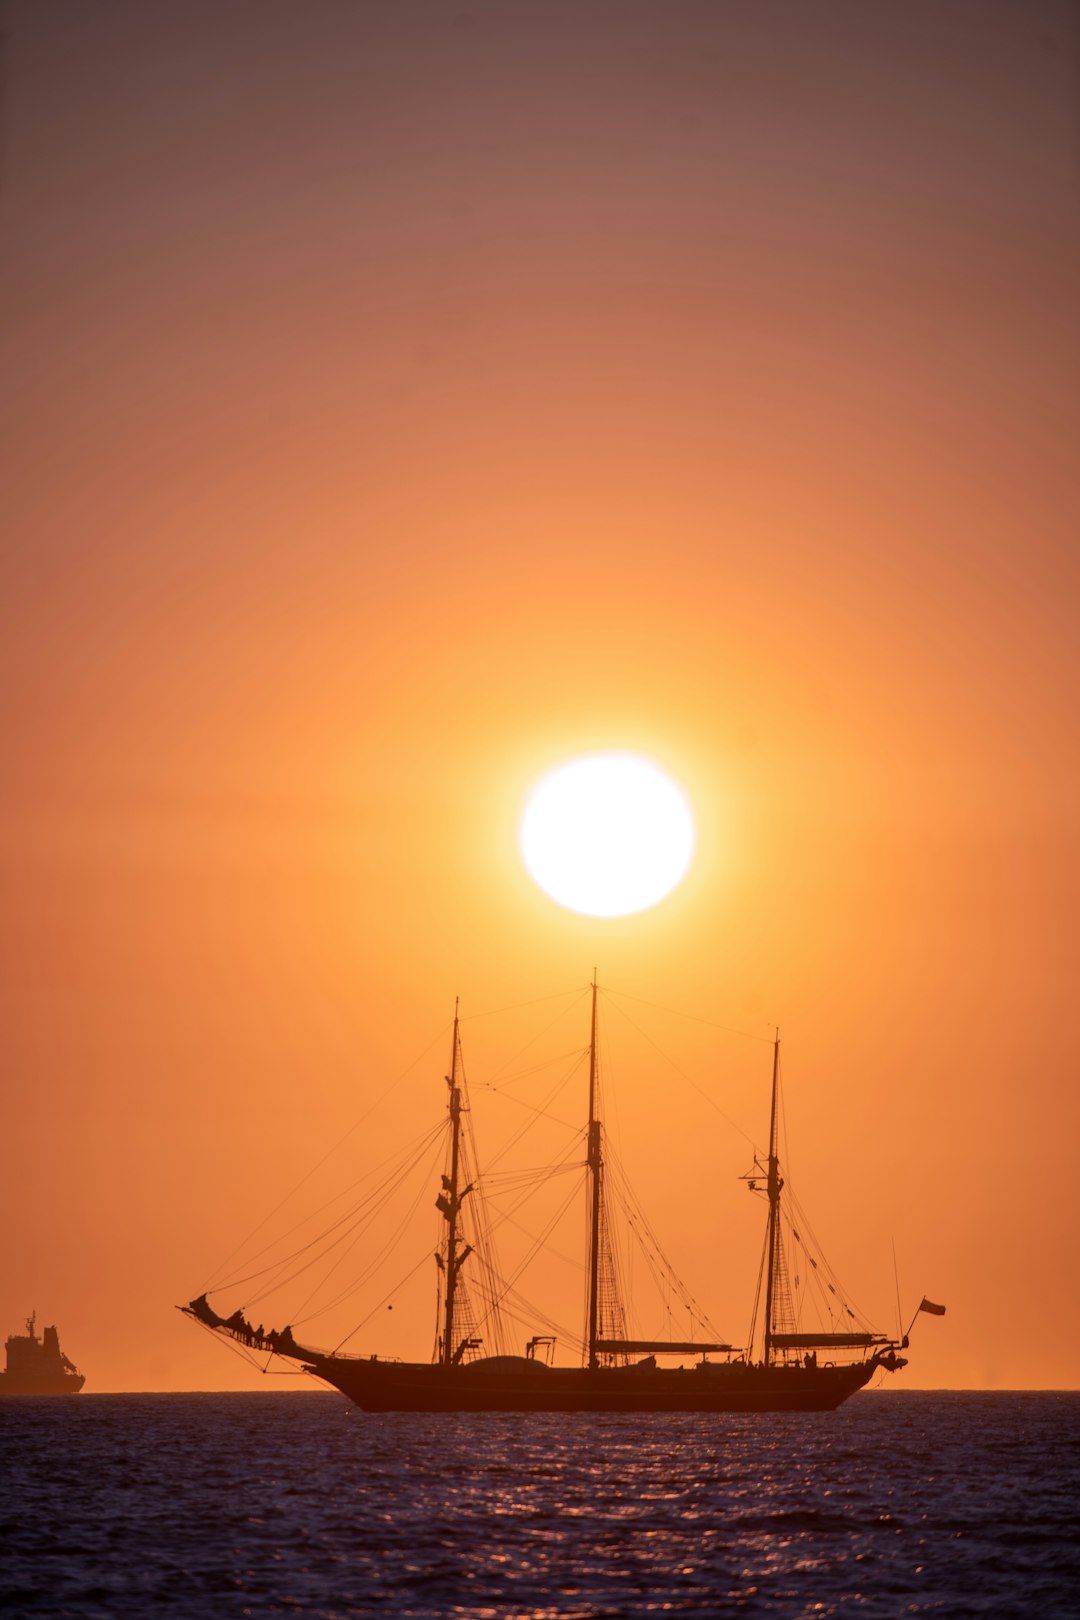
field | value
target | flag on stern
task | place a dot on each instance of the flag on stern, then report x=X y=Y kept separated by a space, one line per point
x=928 y=1305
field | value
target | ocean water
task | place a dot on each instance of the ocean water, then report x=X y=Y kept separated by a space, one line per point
x=298 y=1504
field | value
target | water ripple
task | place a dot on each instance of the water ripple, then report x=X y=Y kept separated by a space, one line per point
x=125 y=1507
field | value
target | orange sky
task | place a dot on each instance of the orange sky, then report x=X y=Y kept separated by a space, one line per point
x=399 y=399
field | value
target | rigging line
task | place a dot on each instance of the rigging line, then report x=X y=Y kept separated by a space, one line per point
x=844 y=1302
x=516 y=1308
x=327 y=1155
x=481 y=1223
x=830 y=1284
x=548 y=1100
x=558 y=1254
x=403 y=1168
x=896 y=1279
x=685 y=1076
x=361 y=1213
x=355 y=1232
x=504 y=1216
x=232 y=1344
x=816 y=1292
x=603 y=1076
x=658 y=1275
x=565 y=1163
x=423 y=1261
x=520 y=1192
x=694 y=1018
x=480 y=1297
x=540 y=1033
x=540 y=1243
x=841 y=1293
x=782 y=1102
x=376 y=1265
x=494 y=1012
x=536 y=1318
x=527 y=1314
x=480 y=1292
x=646 y=1238
x=535 y=1068
x=663 y=1273
x=508 y=1179
x=540 y=1112
x=636 y=1211
x=757 y=1306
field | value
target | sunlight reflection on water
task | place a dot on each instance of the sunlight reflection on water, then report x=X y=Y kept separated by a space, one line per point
x=122 y=1506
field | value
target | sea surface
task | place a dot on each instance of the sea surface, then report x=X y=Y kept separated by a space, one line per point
x=298 y=1504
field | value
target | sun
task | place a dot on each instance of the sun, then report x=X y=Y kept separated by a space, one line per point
x=607 y=835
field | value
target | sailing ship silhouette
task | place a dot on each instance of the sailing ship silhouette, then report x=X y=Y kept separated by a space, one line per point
x=787 y=1367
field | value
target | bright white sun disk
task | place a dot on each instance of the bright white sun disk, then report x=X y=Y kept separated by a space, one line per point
x=607 y=835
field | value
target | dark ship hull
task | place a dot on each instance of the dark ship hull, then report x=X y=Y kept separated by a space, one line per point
x=63 y=1383
x=514 y=1384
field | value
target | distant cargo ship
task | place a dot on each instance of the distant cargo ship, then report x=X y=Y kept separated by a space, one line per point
x=38 y=1366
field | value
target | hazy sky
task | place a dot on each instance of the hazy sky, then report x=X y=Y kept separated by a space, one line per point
x=399 y=398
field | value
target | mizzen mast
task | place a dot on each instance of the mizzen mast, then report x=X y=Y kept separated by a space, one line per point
x=775 y=1183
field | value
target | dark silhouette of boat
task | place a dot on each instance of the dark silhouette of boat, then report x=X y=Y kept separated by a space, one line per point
x=38 y=1366
x=790 y=1367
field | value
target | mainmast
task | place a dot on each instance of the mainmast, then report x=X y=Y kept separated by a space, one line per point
x=450 y=1201
x=595 y=1162
x=774 y=1185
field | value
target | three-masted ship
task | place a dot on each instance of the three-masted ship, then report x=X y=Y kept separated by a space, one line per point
x=787 y=1368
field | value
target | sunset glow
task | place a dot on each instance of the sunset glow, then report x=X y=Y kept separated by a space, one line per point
x=608 y=835
x=472 y=472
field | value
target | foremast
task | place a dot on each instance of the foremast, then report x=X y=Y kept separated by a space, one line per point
x=449 y=1203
